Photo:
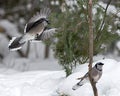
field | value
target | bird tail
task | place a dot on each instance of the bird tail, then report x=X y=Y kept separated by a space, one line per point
x=79 y=84
x=82 y=81
x=15 y=43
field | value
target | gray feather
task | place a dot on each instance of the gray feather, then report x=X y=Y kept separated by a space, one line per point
x=47 y=33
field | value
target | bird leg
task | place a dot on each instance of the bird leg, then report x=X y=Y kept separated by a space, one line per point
x=79 y=78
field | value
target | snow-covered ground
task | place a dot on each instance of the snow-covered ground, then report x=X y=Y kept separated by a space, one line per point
x=54 y=83
x=49 y=81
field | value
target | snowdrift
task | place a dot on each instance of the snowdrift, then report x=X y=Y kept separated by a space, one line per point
x=54 y=83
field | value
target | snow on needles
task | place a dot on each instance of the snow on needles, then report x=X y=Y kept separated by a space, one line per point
x=54 y=83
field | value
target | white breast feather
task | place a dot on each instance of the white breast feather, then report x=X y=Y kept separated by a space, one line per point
x=96 y=78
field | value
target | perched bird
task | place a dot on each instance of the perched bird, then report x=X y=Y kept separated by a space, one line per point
x=35 y=29
x=95 y=73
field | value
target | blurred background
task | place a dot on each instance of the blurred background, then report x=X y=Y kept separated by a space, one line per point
x=71 y=17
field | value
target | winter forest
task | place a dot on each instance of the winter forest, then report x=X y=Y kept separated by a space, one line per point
x=59 y=47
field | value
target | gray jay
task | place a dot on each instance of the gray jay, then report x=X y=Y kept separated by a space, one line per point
x=95 y=72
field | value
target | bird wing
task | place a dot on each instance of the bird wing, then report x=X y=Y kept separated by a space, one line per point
x=47 y=33
x=43 y=14
x=94 y=72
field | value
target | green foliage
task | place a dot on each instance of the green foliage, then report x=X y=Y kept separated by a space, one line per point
x=72 y=44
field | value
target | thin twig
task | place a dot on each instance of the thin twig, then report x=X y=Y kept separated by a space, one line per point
x=105 y=15
x=102 y=24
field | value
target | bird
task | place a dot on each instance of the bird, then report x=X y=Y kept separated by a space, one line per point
x=35 y=29
x=95 y=73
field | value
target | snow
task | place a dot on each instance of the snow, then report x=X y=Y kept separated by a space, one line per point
x=111 y=8
x=118 y=45
x=54 y=83
x=47 y=81
x=106 y=84
x=25 y=64
x=3 y=45
x=11 y=29
x=39 y=83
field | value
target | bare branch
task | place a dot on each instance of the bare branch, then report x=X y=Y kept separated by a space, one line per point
x=103 y=22
x=90 y=33
x=91 y=46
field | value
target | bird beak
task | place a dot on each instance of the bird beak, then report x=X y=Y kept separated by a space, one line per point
x=48 y=21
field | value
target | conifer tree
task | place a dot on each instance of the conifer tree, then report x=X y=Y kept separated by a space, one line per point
x=71 y=46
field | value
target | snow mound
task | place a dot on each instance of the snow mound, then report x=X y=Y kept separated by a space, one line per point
x=39 y=83
x=54 y=83
x=107 y=86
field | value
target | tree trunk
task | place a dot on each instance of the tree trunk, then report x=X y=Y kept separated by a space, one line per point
x=91 y=47
x=28 y=49
x=46 y=52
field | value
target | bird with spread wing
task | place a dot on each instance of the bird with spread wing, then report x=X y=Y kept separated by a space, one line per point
x=35 y=29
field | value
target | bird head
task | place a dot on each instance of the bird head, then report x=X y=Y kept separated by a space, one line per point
x=45 y=22
x=99 y=65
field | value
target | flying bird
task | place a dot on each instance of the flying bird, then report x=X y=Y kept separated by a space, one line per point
x=35 y=29
x=96 y=73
